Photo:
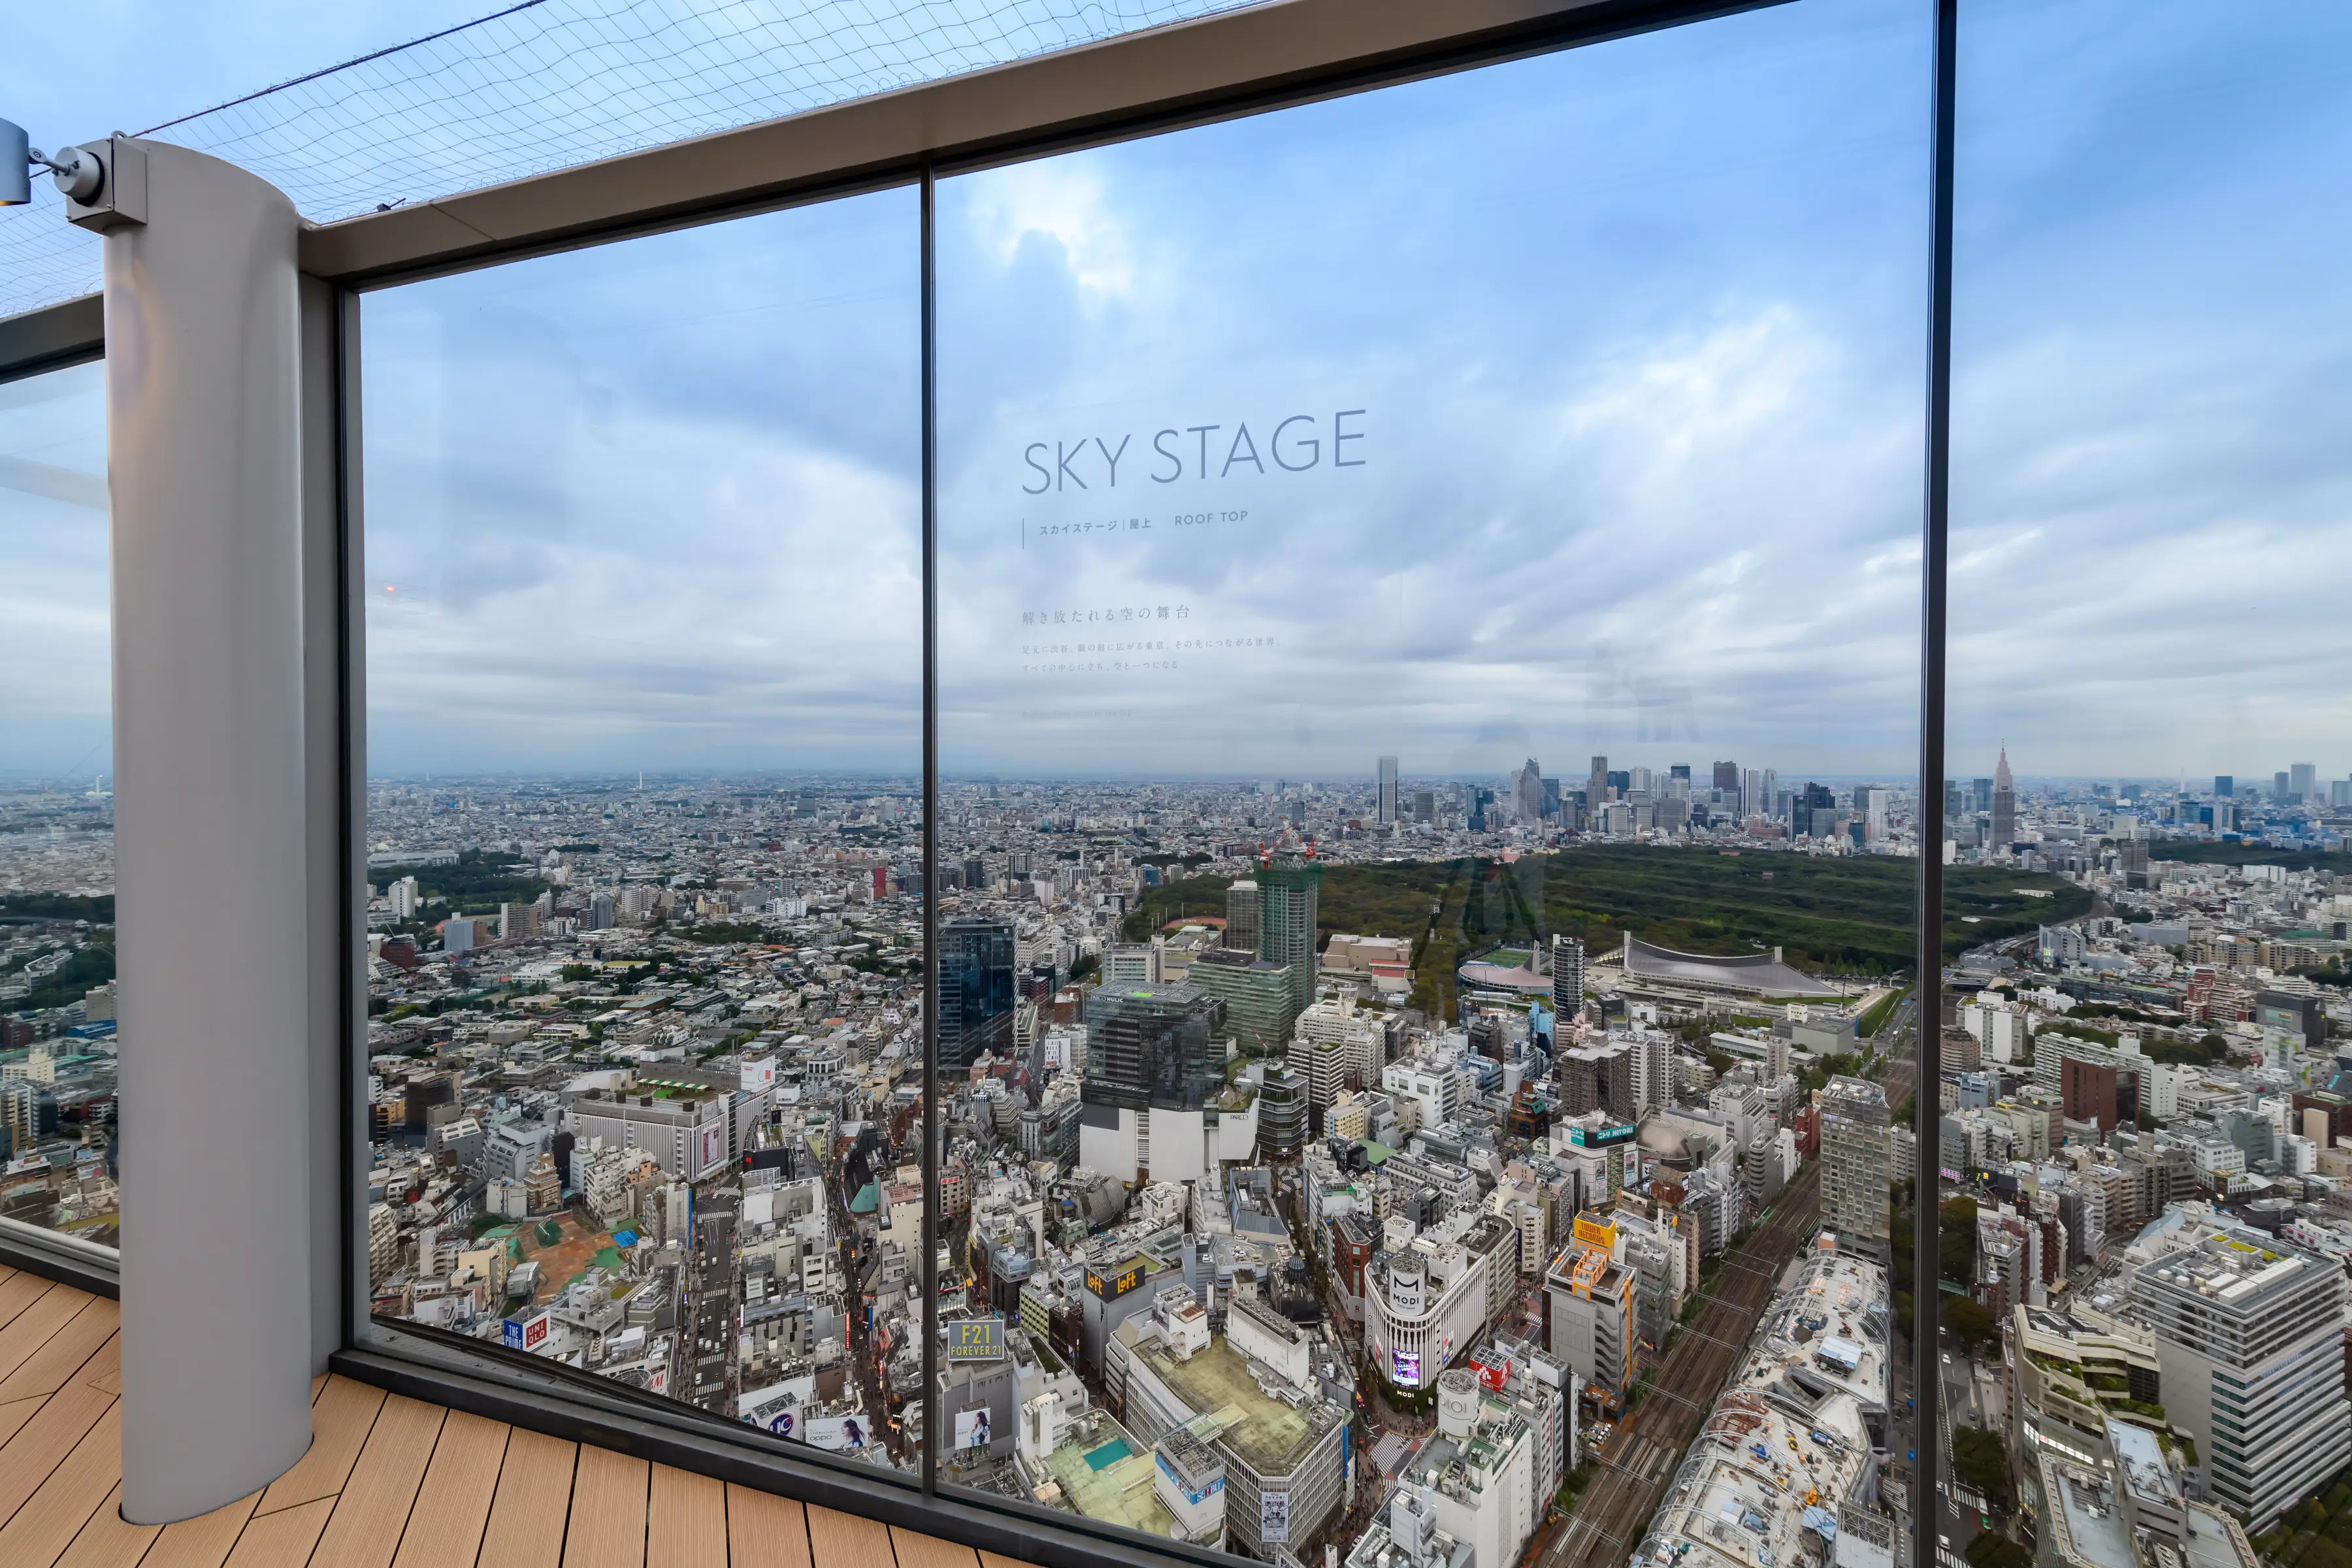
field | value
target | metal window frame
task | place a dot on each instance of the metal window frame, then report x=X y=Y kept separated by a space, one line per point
x=1230 y=66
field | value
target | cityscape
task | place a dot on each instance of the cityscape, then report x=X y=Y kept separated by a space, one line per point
x=1393 y=1171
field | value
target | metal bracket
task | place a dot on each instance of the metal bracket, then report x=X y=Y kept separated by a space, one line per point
x=122 y=195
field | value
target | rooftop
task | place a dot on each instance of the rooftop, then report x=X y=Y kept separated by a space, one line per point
x=1267 y=1433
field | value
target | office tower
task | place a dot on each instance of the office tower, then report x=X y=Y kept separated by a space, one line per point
x=1855 y=1176
x=1424 y=805
x=1596 y=789
x=1678 y=771
x=2224 y=786
x=2249 y=1351
x=1813 y=812
x=1156 y=1047
x=2303 y=783
x=1768 y=795
x=1289 y=897
x=1752 y=801
x=1388 y=803
x=1525 y=791
x=1242 y=916
x=1259 y=1006
x=976 y=957
x=2004 y=805
x=2278 y=789
x=1955 y=805
x=1980 y=794
x=975 y=873
x=1567 y=981
x=1726 y=778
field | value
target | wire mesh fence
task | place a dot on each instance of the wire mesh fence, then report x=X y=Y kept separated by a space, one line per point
x=548 y=84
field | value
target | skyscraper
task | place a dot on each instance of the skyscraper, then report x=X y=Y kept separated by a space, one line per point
x=1596 y=789
x=1726 y=778
x=2224 y=786
x=2303 y=782
x=1289 y=897
x=1153 y=1046
x=976 y=960
x=1242 y=916
x=1567 y=981
x=1388 y=805
x=2004 y=805
x=1752 y=791
x=1854 y=1160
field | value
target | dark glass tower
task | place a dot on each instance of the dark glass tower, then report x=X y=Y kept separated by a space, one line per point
x=975 y=992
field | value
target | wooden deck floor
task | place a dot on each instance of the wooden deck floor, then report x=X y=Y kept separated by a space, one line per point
x=388 y=1483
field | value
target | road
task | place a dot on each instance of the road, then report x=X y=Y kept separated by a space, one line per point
x=1649 y=1444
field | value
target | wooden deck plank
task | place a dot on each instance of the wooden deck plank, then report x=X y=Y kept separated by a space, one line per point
x=106 y=1541
x=608 y=1511
x=764 y=1530
x=917 y=1551
x=317 y=1384
x=373 y=1511
x=39 y=1533
x=13 y=1416
x=204 y=1542
x=453 y=1507
x=103 y=1370
x=40 y=1445
x=80 y=1337
x=18 y=1293
x=533 y=1502
x=991 y=1560
x=36 y=1324
x=839 y=1539
x=283 y=1539
x=685 y=1520
x=339 y=1428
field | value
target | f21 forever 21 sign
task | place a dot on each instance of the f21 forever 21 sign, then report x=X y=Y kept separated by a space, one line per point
x=1294 y=445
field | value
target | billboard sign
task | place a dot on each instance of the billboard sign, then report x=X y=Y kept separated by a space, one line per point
x=1603 y=1137
x=1408 y=1369
x=524 y=1334
x=836 y=1432
x=972 y=1428
x=1274 y=1518
x=1593 y=1233
x=781 y=1423
x=976 y=1339
x=1111 y=1287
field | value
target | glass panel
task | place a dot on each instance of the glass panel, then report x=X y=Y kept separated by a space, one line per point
x=56 y=809
x=2142 y=1117
x=1428 y=735
x=643 y=661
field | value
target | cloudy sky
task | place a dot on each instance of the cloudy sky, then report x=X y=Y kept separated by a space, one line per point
x=1636 y=336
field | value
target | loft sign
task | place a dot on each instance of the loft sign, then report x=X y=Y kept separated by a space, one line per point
x=1294 y=445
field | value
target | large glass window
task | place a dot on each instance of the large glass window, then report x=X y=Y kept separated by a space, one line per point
x=644 y=807
x=1428 y=734
x=57 y=810
x=2141 y=1242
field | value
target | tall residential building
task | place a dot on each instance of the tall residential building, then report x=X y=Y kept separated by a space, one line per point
x=976 y=992
x=1289 y=897
x=2004 y=805
x=1242 y=916
x=1567 y=981
x=1388 y=803
x=1854 y=1201
x=2250 y=1358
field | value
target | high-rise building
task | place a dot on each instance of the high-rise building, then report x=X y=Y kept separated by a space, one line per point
x=1854 y=1200
x=2279 y=788
x=1424 y=805
x=1259 y=1006
x=2004 y=805
x=976 y=993
x=1161 y=1046
x=1596 y=788
x=2224 y=786
x=1387 y=803
x=1726 y=778
x=2303 y=782
x=2249 y=1357
x=1289 y=897
x=1754 y=793
x=1567 y=981
x=1242 y=914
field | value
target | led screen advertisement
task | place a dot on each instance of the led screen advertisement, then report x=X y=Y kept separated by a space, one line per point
x=1408 y=1369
